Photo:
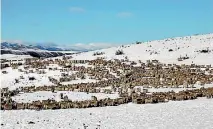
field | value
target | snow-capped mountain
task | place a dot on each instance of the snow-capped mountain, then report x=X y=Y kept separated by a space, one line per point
x=15 y=46
x=33 y=50
x=19 y=46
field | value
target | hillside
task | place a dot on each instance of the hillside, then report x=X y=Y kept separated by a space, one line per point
x=111 y=94
x=20 y=46
x=34 y=51
x=198 y=49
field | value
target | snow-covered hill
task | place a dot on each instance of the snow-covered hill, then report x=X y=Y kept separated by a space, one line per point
x=198 y=49
x=174 y=114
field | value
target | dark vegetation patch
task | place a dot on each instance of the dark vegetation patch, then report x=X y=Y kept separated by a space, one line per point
x=119 y=52
x=31 y=122
x=98 y=53
x=170 y=50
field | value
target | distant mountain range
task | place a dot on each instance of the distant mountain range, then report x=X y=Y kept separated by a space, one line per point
x=18 y=46
x=37 y=50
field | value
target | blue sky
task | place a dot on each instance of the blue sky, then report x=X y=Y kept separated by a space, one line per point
x=105 y=22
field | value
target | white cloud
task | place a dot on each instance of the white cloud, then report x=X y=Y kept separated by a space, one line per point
x=124 y=14
x=77 y=9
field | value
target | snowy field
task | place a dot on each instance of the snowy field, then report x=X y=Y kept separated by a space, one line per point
x=8 y=80
x=181 y=46
x=15 y=57
x=86 y=80
x=74 y=96
x=191 y=114
x=159 y=49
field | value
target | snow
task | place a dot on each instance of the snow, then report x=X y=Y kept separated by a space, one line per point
x=74 y=96
x=14 y=57
x=8 y=80
x=191 y=114
x=85 y=65
x=65 y=51
x=181 y=46
x=87 y=80
x=181 y=88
